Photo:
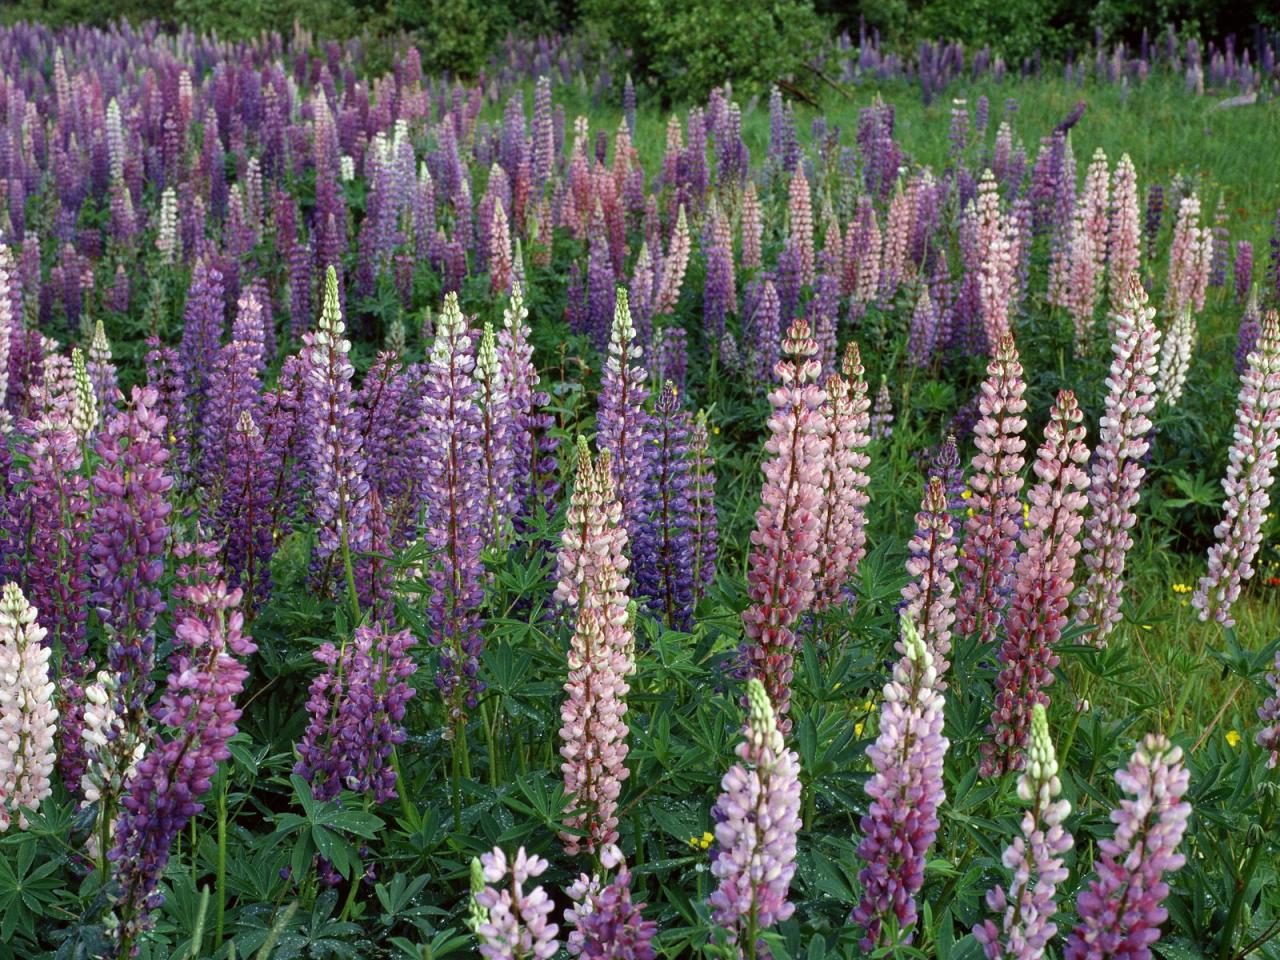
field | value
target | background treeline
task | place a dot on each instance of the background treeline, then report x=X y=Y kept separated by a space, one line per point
x=683 y=47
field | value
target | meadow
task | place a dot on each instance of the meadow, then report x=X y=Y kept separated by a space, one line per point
x=523 y=518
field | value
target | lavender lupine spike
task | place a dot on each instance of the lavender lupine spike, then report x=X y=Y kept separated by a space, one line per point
x=497 y=429
x=621 y=420
x=785 y=542
x=453 y=462
x=357 y=707
x=245 y=511
x=1122 y=909
x=906 y=791
x=664 y=552
x=1038 y=612
x=1269 y=713
x=927 y=596
x=199 y=708
x=704 y=525
x=607 y=924
x=842 y=539
x=1027 y=905
x=127 y=550
x=28 y=718
x=1250 y=473
x=757 y=820
x=335 y=454
x=995 y=481
x=1117 y=469
x=516 y=923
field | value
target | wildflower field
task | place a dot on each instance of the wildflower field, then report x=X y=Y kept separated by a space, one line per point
x=519 y=518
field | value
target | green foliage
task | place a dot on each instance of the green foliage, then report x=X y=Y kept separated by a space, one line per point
x=689 y=48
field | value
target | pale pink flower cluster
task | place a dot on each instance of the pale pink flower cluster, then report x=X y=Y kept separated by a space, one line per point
x=516 y=924
x=897 y=237
x=1250 y=472
x=674 y=267
x=28 y=718
x=928 y=596
x=1117 y=469
x=1124 y=236
x=800 y=214
x=784 y=544
x=1175 y=356
x=843 y=524
x=1190 y=257
x=752 y=228
x=996 y=240
x=991 y=530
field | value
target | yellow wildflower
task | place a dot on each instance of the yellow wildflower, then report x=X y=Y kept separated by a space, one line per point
x=1233 y=738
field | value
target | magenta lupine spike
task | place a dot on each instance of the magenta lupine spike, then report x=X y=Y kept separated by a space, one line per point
x=1250 y=473
x=454 y=463
x=842 y=541
x=607 y=923
x=927 y=596
x=757 y=820
x=991 y=531
x=357 y=708
x=621 y=420
x=1042 y=588
x=703 y=525
x=516 y=924
x=784 y=544
x=1189 y=259
x=1122 y=909
x=127 y=549
x=1117 y=468
x=335 y=453
x=244 y=511
x=1124 y=235
x=497 y=427
x=906 y=791
x=800 y=225
x=199 y=709
x=674 y=266
x=997 y=241
x=57 y=515
x=752 y=228
x=28 y=718
x=1036 y=859
x=1080 y=287
x=1269 y=713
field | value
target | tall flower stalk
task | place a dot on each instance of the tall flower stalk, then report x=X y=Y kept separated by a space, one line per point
x=927 y=596
x=622 y=421
x=906 y=790
x=1043 y=586
x=665 y=553
x=515 y=924
x=785 y=542
x=1117 y=469
x=28 y=716
x=757 y=819
x=1250 y=472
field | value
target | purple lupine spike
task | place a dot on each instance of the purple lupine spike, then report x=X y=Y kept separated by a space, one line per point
x=757 y=818
x=621 y=420
x=924 y=331
x=532 y=449
x=1027 y=907
x=664 y=552
x=203 y=321
x=357 y=708
x=453 y=462
x=704 y=526
x=906 y=791
x=130 y=530
x=244 y=511
x=1250 y=473
x=233 y=387
x=1220 y=246
x=165 y=376
x=992 y=527
x=57 y=514
x=1243 y=270
x=334 y=450
x=766 y=332
x=600 y=291
x=1117 y=469
x=1269 y=713
x=391 y=430
x=1038 y=612
x=1155 y=213
x=945 y=464
x=199 y=709
x=1122 y=909
x=1249 y=332
x=607 y=923
x=719 y=298
x=927 y=596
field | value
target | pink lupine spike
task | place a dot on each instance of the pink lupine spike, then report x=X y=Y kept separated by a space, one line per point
x=996 y=243
x=1124 y=235
x=928 y=594
x=1043 y=586
x=752 y=228
x=1117 y=469
x=780 y=577
x=992 y=527
x=906 y=791
x=1250 y=473
x=674 y=266
x=842 y=540
x=800 y=214
x=1122 y=909
x=1189 y=258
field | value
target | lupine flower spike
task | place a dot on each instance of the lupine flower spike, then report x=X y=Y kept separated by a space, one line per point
x=516 y=924
x=1250 y=473
x=906 y=791
x=27 y=714
x=757 y=821
x=927 y=596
